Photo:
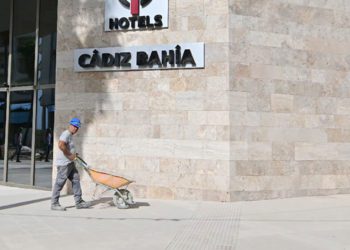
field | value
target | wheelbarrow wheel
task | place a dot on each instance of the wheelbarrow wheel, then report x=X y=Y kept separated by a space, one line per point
x=124 y=201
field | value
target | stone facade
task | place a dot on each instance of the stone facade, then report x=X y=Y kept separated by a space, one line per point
x=289 y=62
x=268 y=117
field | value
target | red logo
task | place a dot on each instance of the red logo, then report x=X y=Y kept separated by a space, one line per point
x=134 y=5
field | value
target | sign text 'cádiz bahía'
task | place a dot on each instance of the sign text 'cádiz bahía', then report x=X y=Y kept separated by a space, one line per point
x=175 y=56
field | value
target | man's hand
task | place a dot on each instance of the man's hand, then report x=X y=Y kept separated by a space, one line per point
x=73 y=157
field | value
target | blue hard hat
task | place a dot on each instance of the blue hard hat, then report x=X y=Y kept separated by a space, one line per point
x=75 y=122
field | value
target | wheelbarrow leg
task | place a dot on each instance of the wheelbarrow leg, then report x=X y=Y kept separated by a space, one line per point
x=97 y=195
x=94 y=194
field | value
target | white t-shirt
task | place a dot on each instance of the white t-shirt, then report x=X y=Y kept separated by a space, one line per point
x=61 y=159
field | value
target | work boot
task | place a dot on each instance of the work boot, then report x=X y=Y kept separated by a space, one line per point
x=57 y=207
x=82 y=204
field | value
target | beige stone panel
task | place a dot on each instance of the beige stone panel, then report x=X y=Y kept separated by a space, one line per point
x=326 y=4
x=182 y=37
x=324 y=182
x=283 y=151
x=211 y=167
x=253 y=119
x=238 y=119
x=305 y=104
x=327 y=45
x=181 y=23
x=301 y=14
x=257 y=134
x=187 y=84
x=285 y=120
x=322 y=151
x=297 y=135
x=323 y=167
x=193 y=166
x=326 y=105
x=160 y=193
x=217 y=52
x=238 y=101
x=164 y=117
x=342 y=121
x=134 y=131
x=259 y=151
x=217 y=150
x=217 y=83
x=249 y=8
x=259 y=103
x=190 y=8
x=338 y=135
x=279 y=73
x=102 y=130
x=64 y=60
x=108 y=101
x=146 y=147
x=320 y=121
x=189 y=149
x=196 y=23
x=218 y=117
x=258 y=38
x=189 y=100
x=135 y=101
x=343 y=106
x=202 y=182
x=172 y=131
x=258 y=183
x=217 y=21
x=197 y=117
x=176 y=166
x=188 y=193
x=162 y=101
x=282 y=103
x=138 y=117
x=68 y=101
x=319 y=75
x=342 y=17
x=217 y=100
x=222 y=133
x=219 y=7
x=239 y=150
x=71 y=86
x=261 y=24
x=200 y=132
x=220 y=35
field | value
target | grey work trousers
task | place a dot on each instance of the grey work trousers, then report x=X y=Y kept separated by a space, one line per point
x=63 y=173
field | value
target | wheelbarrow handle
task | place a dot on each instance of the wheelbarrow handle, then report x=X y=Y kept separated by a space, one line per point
x=81 y=162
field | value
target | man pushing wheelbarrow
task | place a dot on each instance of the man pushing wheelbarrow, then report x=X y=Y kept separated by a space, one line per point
x=66 y=169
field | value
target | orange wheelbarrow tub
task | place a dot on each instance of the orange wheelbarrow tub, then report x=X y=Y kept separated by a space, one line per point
x=122 y=196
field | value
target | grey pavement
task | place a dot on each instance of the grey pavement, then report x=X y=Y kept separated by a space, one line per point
x=26 y=222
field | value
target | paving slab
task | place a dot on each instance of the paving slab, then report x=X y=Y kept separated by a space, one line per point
x=26 y=222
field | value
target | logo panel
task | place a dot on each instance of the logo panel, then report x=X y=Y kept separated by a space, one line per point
x=136 y=14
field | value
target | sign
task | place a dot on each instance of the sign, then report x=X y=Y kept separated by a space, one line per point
x=176 y=56
x=136 y=14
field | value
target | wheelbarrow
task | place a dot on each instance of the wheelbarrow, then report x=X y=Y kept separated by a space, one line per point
x=122 y=197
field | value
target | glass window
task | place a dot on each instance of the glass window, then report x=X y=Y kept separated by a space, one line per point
x=44 y=137
x=24 y=22
x=47 y=42
x=2 y=131
x=20 y=137
x=4 y=38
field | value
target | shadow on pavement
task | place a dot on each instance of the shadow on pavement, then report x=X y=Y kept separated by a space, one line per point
x=108 y=202
x=24 y=203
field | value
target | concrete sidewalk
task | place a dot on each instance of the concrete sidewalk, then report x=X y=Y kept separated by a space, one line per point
x=26 y=222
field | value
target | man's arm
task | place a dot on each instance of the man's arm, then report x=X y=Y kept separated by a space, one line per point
x=63 y=146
